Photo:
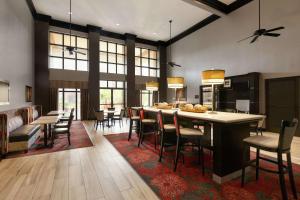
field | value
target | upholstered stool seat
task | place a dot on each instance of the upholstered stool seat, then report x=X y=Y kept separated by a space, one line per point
x=263 y=142
x=135 y=118
x=190 y=132
x=148 y=121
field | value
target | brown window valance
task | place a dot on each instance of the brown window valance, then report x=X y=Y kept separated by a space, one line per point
x=68 y=84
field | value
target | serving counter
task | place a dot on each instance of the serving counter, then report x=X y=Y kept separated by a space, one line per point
x=227 y=133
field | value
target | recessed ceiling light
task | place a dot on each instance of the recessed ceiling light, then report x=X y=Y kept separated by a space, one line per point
x=117 y=24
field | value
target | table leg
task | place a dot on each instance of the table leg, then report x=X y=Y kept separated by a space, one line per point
x=45 y=134
x=228 y=150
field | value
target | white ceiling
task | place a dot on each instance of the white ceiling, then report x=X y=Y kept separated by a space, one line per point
x=145 y=18
x=227 y=1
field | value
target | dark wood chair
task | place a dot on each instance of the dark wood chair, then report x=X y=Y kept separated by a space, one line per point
x=64 y=130
x=186 y=136
x=167 y=134
x=147 y=126
x=100 y=119
x=132 y=119
x=119 y=117
x=280 y=146
x=66 y=118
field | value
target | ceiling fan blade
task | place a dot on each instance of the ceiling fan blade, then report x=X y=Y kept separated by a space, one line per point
x=275 y=29
x=172 y=64
x=79 y=52
x=272 y=34
x=246 y=38
x=255 y=39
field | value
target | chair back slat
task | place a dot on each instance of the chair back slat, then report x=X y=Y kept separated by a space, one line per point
x=176 y=123
x=99 y=115
x=288 y=130
x=142 y=114
x=70 y=121
x=160 y=120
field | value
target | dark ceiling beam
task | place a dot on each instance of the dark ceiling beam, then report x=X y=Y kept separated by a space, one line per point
x=31 y=8
x=237 y=4
x=215 y=4
x=194 y=28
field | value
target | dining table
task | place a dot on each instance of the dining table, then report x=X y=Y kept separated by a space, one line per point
x=46 y=121
x=57 y=112
x=226 y=133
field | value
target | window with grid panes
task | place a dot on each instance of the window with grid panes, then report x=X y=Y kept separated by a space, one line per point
x=112 y=58
x=61 y=59
x=112 y=94
x=146 y=62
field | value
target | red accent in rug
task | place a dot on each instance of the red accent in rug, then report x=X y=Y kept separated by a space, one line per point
x=187 y=182
x=79 y=139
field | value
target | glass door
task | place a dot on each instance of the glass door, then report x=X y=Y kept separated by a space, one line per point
x=69 y=98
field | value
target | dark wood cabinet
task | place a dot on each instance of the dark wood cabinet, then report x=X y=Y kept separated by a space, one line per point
x=243 y=87
x=282 y=101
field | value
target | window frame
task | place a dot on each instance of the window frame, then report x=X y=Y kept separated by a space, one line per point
x=107 y=52
x=63 y=91
x=63 y=46
x=149 y=59
x=112 y=93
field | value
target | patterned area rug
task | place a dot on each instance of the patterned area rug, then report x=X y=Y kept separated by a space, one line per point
x=79 y=139
x=187 y=182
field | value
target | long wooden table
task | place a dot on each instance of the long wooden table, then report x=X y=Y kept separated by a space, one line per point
x=46 y=121
x=227 y=131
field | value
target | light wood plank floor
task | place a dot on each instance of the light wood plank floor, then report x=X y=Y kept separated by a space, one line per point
x=95 y=173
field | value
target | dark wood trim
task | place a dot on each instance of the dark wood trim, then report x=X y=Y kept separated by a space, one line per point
x=194 y=28
x=218 y=5
x=237 y=4
x=31 y=8
x=163 y=73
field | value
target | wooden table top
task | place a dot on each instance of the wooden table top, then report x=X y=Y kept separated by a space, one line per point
x=221 y=117
x=57 y=112
x=46 y=120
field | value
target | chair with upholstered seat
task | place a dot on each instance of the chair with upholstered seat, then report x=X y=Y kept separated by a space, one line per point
x=119 y=117
x=132 y=119
x=167 y=134
x=66 y=118
x=64 y=130
x=279 y=146
x=147 y=124
x=100 y=119
x=185 y=135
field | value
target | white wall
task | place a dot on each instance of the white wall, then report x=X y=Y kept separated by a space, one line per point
x=16 y=50
x=215 y=46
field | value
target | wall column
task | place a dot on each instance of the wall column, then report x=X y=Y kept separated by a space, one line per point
x=132 y=94
x=93 y=83
x=41 y=60
x=163 y=85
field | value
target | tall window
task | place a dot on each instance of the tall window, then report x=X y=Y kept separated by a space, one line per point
x=69 y=98
x=112 y=58
x=146 y=62
x=62 y=59
x=112 y=94
x=146 y=98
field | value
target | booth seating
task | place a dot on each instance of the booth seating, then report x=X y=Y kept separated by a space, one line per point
x=16 y=132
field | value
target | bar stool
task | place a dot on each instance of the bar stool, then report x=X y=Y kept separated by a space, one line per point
x=132 y=119
x=167 y=134
x=146 y=123
x=185 y=135
x=281 y=146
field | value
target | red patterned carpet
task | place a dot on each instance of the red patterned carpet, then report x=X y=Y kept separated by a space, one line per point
x=187 y=182
x=79 y=139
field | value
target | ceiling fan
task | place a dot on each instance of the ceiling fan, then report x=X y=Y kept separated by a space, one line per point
x=171 y=63
x=261 y=31
x=70 y=48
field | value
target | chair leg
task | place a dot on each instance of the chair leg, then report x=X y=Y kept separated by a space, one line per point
x=281 y=177
x=244 y=165
x=291 y=175
x=69 y=139
x=97 y=125
x=161 y=147
x=130 y=129
x=257 y=163
x=202 y=160
x=141 y=135
x=177 y=153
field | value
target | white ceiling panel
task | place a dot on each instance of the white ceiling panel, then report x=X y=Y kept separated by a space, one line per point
x=145 y=18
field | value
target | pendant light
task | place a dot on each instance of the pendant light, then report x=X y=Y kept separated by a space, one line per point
x=171 y=63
